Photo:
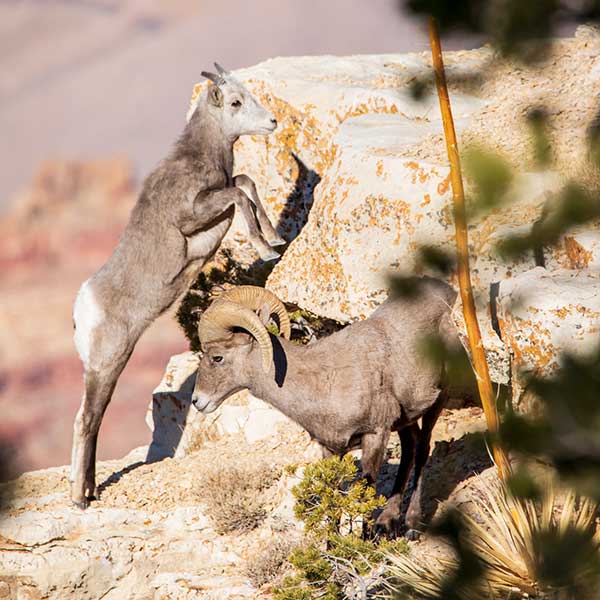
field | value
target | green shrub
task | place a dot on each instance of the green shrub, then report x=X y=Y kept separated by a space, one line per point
x=330 y=495
x=329 y=499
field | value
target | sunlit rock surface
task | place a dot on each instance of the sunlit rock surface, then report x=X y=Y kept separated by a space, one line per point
x=544 y=314
x=356 y=174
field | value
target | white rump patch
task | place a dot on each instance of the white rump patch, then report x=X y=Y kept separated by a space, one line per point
x=87 y=314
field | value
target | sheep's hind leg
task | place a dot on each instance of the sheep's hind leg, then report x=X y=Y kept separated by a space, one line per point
x=414 y=512
x=389 y=519
x=103 y=364
x=97 y=394
x=249 y=188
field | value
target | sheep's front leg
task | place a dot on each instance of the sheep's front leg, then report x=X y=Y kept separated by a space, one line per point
x=249 y=187
x=373 y=446
x=326 y=452
x=211 y=204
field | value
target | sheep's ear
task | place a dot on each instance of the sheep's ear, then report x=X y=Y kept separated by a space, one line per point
x=215 y=96
x=264 y=314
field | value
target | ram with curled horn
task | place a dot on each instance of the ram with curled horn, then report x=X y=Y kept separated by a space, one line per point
x=348 y=390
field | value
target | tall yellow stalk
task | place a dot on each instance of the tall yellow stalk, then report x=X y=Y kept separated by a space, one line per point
x=484 y=383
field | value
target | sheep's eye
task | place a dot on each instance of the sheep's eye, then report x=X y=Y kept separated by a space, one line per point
x=236 y=103
x=217 y=359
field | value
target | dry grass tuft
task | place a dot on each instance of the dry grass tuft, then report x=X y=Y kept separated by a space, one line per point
x=503 y=538
x=268 y=565
x=233 y=495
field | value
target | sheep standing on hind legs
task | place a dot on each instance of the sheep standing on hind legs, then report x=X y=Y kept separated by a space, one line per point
x=184 y=210
x=348 y=390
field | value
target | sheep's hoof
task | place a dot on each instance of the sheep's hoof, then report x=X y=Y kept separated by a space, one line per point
x=269 y=255
x=412 y=535
x=387 y=523
x=278 y=241
x=81 y=505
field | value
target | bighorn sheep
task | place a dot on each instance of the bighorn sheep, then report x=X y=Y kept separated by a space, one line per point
x=347 y=390
x=184 y=210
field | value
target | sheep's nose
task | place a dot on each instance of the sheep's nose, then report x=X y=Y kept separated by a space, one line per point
x=200 y=402
x=274 y=121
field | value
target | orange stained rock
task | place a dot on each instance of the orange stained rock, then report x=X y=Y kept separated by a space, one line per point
x=579 y=257
x=418 y=172
x=560 y=312
x=196 y=92
x=529 y=341
x=372 y=105
x=443 y=186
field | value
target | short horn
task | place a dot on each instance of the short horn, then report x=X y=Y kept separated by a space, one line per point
x=216 y=79
x=254 y=298
x=220 y=320
x=220 y=69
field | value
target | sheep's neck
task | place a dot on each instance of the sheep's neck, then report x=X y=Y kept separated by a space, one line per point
x=204 y=138
x=290 y=391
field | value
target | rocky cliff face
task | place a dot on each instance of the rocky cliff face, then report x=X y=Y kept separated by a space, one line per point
x=171 y=522
x=357 y=178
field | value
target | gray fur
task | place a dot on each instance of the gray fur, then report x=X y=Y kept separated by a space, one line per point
x=184 y=210
x=350 y=389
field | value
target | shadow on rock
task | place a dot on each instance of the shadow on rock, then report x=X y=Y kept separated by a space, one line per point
x=116 y=476
x=450 y=464
x=297 y=205
x=8 y=472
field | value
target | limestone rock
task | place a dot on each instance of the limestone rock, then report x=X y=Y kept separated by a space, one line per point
x=371 y=210
x=148 y=537
x=356 y=175
x=583 y=250
x=543 y=314
x=311 y=97
x=72 y=554
x=170 y=415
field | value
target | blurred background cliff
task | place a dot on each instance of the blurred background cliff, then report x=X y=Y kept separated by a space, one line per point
x=92 y=95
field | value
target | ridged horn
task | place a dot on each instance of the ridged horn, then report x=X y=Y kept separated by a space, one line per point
x=222 y=317
x=221 y=70
x=254 y=298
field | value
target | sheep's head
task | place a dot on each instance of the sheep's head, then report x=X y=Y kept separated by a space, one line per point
x=239 y=112
x=229 y=331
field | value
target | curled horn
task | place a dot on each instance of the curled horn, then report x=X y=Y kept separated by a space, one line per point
x=219 y=321
x=254 y=298
x=221 y=70
x=216 y=79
